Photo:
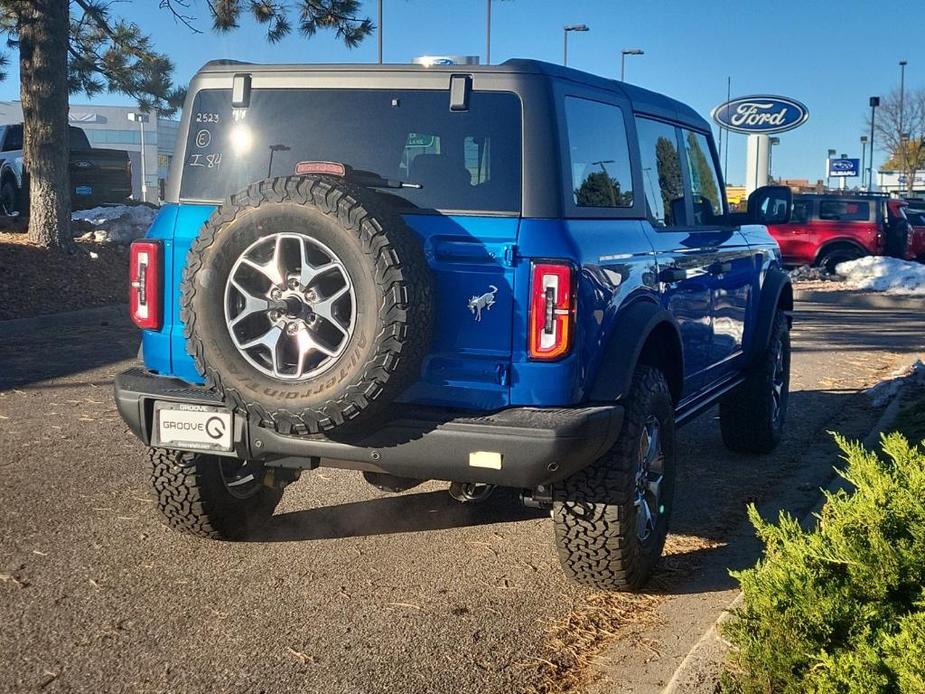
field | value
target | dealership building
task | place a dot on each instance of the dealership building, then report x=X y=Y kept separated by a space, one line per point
x=110 y=127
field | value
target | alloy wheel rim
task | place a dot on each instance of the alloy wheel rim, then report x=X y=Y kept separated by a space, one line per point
x=650 y=473
x=777 y=384
x=290 y=306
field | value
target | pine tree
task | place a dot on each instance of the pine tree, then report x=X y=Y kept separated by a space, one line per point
x=68 y=46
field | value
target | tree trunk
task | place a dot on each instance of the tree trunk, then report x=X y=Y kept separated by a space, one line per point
x=43 y=43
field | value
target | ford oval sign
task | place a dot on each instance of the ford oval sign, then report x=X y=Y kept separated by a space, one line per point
x=761 y=115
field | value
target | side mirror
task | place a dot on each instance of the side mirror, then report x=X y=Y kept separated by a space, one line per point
x=770 y=205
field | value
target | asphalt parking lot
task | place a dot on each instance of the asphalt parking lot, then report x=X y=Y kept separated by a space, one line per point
x=348 y=590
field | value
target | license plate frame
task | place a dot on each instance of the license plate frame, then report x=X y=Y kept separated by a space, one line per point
x=193 y=427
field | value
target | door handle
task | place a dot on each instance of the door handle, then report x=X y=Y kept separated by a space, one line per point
x=720 y=268
x=672 y=274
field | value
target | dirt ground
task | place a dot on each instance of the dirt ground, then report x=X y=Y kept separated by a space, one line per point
x=37 y=281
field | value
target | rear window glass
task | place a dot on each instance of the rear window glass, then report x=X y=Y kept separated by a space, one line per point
x=463 y=160
x=844 y=210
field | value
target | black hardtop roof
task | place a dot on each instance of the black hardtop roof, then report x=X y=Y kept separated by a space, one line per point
x=643 y=100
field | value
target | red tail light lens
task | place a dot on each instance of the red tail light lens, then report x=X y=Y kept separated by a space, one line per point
x=145 y=269
x=552 y=310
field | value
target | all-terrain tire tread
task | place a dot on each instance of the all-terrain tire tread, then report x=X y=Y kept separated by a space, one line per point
x=593 y=509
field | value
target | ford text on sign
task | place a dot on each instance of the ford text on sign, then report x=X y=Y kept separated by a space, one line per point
x=761 y=114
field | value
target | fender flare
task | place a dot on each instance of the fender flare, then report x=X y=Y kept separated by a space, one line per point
x=776 y=292
x=844 y=241
x=632 y=328
x=9 y=170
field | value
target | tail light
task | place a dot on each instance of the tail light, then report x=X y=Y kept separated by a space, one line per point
x=145 y=288
x=552 y=310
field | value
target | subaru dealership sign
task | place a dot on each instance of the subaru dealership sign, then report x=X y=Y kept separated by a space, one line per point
x=760 y=115
x=844 y=167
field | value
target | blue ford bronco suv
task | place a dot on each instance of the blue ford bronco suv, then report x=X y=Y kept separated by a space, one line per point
x=518 y=275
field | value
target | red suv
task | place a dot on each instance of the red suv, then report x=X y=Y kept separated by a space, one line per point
x=916 y=247
x=828 y=229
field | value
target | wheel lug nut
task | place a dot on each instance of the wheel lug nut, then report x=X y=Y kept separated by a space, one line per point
x=292 y=328
x=276 y=294
x=293 y=283
x=310 y=295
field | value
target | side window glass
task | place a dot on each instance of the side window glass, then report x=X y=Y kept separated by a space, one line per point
x=477 y=156
x=802 y=209
x=705 y=188
x=598 y=154
x=844 y=211
x=13 y=138
x=661 y=173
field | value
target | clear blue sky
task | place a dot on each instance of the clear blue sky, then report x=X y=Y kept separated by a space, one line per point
x=831 y=55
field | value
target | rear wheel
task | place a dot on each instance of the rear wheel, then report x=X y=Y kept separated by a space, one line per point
x=830 y=259
x=611 y=518
x=752 y=416
x=211 y=496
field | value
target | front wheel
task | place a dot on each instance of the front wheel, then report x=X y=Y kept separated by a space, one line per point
x=211 y=496
x=752 y=416
x=611 y=518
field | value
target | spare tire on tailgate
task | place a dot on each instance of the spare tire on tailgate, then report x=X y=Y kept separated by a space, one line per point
x=306 y=303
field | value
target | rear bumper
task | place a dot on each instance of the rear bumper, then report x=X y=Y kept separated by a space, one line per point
x=536 y=445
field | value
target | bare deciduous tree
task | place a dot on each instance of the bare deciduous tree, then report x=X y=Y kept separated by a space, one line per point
x=901 y=132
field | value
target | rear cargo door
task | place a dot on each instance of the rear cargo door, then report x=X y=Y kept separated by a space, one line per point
x=471 y=259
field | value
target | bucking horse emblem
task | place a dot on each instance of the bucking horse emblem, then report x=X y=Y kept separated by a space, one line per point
x=485 y=301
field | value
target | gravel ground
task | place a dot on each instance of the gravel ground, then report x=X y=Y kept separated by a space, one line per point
x=348 y=590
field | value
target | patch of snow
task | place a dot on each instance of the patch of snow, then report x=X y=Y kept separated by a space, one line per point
x=115 y=223
x=882 y=393
x=881 y=274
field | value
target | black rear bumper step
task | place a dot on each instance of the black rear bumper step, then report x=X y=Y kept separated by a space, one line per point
x=526 y=447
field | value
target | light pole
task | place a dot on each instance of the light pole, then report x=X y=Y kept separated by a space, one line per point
x=565 y=30
x=771 y=142
x=828 y=167
x=488 y=32
x=874 y=103
x=863 y=158
x=141 y=119
x=843 y=182
x=902 y=100
x=379 y=32
x=625 y=52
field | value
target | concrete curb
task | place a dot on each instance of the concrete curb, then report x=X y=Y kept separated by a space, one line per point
x=701 y=659
x=861 y=300
x=82 y=318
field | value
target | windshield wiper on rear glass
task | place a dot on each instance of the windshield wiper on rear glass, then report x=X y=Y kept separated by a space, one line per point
x=374 y=180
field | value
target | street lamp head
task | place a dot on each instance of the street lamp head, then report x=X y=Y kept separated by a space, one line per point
x=831 y=152
x=576 y=27
x=874 y=101
x=903 y=63
x=633 y=51
x=863 y=139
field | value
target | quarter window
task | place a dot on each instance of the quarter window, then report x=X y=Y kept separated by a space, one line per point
x=661 y=173
x=598 y=154
x=705 y=187
x=844 y=210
